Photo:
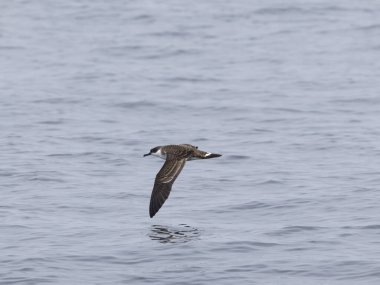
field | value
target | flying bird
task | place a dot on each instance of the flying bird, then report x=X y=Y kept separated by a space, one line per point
x=175 y=157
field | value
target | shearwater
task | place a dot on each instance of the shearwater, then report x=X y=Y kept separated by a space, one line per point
x=175 y=157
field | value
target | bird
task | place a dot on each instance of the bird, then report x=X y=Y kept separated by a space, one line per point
x=175 y=157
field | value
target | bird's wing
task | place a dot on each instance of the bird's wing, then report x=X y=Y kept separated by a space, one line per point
x=189 y=145
x=163 y=183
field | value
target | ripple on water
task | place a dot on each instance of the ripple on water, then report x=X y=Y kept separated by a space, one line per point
x=25 y=280
x=174 y=234
x=237 y=157
x=254 y=205
x=294 y=230
x=367 y=227
x=269 y=182
x=136 y=104
x=250 y=205
x=244 y=246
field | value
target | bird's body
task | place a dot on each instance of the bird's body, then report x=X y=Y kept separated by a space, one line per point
x=175 y=157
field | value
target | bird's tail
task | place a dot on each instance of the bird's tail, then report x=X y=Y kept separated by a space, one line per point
x=211 y=155
x=205 y=155
x=199 y=154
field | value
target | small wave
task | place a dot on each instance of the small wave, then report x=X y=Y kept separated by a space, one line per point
x=136 y=104
x=121 y=195
x=246 y=268
x=367 y=227
x=61 y=154
x=250 y=206
x=11 y=48
x=92 y=138
x=121 y=50
x=287 y=272
x=298 y=10
x=169 y=54
x=365 y=275
x=14 y=227
x=87 y=153
x=6 y=174
x=374 y=28
x=371 y=227
x=47 y=179
x=57 y=100
x=258 y=130
x=26 y=280
x=244 y=246
x=201 y=139
x=369 y=100
x=253 y=205
x=237 y=157
x=286 y=110
x=301 y=228
x=293 y=230
x=108 y=121
x=192 y=80
x=269 y=182
x=52 y=122
x=144 y=18
x=168 y=33
x=280 y=10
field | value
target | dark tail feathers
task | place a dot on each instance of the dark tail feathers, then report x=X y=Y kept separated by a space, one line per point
x=212 y=155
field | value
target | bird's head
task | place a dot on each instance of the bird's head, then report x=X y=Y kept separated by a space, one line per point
x=154 y=151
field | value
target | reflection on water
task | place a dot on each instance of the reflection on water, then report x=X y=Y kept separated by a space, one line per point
x=179 y=234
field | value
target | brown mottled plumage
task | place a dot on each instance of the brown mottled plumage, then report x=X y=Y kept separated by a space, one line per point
x=175 y=157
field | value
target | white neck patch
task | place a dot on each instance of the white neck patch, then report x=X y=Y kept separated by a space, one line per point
x=159 y=154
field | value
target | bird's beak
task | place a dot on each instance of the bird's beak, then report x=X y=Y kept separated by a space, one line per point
x=147 y=154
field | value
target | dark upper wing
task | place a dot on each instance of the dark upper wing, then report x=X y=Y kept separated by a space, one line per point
x=189 y=146
x=184 y=151
x=163 y=183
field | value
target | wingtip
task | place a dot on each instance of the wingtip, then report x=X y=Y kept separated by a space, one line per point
x=152 y=213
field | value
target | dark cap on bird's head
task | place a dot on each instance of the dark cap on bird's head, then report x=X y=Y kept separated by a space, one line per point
x=153 y=150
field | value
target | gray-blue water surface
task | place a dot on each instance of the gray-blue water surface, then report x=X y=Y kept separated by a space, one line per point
x=287 y=92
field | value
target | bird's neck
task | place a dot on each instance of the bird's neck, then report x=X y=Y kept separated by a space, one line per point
x=160 y=154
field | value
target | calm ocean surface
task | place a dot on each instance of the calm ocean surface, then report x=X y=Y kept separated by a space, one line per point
x=289 y=93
